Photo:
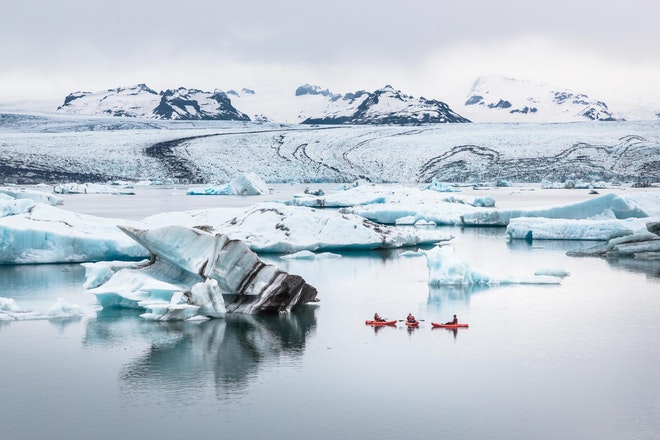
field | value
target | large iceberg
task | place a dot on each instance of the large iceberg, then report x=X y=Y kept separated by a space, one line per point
x=609 y=206
x=561 y=229
x=41 y=233
x=27 y=194
x=194 y=273
x=276 y=228
x=446 y=269
x=37 y=233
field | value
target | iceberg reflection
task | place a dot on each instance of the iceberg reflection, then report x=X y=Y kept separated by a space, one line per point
x=454 y=294
x=187 y=357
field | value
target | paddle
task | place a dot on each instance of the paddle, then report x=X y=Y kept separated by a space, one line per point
x=420 y=320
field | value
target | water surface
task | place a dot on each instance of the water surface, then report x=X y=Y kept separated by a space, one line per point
x=578 y=360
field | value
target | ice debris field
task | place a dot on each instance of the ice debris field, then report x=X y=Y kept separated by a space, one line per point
x=148 y=264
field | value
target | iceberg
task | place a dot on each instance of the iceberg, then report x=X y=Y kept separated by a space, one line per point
x=46 y=234
x=11 y=311
x=248 y=184
x=440 y=187
x=194 y=273
x=10 y=206
x=275 y=228
x=35 y=196
x=643 y=245
x=609 y=206
x=445 y=269
x=389 y=195
x=309 y=255
x=36 y=233
x=90 y=188
x=562 y=229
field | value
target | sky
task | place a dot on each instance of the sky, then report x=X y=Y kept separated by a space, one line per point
x=431 y=48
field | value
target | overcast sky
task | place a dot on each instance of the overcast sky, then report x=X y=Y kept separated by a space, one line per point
x=431 y=48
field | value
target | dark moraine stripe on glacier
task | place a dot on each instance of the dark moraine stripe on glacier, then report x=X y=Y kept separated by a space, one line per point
x=633 y=158
x=182 y=169
x=177 y=167
x=13 y=171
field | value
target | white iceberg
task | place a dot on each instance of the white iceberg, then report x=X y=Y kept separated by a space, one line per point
x=10 y=206
x=91 y=188
x=46 y=234
x=11 y=311
x=34 y=195
x=248 y=184
x=309 y=255
x=562 y=229
x=390 y=195
x=101 y=271
x=276 y=228
x=445 y=269
x=609 y=206
x=441 y=187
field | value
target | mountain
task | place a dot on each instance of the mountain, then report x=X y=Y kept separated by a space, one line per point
x=142 y=102
x=383 y=106
x=499 y=99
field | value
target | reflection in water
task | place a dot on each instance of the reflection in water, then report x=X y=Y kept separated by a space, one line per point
x=553 y=245
x=185 y=357
x=649 y=267
x=25 y=281
x=453 y=294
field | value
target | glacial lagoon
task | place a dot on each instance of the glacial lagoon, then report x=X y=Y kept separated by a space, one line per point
x=576 y=360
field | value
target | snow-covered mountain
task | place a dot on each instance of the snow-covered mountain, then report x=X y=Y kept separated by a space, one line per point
x=142 y=102
x=309 y=105
x=383 y=106
x=500 y=99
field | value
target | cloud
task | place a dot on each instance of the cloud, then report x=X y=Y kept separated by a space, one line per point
x=435 y=49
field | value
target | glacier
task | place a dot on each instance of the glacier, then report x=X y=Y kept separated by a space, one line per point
x=100 y=149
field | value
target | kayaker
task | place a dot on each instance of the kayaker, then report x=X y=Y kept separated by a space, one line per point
x=377 y=318
x=411 y=318
x=453 y=321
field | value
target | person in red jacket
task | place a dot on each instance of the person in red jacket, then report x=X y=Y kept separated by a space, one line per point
x=377 y=318
x=411 y=318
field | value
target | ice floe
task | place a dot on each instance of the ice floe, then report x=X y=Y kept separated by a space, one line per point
x=446 y=269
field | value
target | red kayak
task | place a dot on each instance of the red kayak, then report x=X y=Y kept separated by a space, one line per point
x=436 y=324
x=378 y=323
x=412 y=324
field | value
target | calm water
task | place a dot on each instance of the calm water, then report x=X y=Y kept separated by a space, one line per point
x=575 y=361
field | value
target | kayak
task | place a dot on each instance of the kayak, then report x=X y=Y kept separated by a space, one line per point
x=379 y=323
x=412 y=324
x=436 y=324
